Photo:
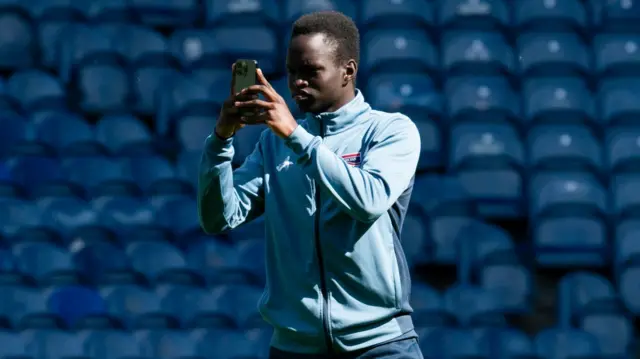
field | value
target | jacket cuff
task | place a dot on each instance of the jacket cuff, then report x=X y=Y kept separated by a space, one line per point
x=216 y=144
x=299 y=140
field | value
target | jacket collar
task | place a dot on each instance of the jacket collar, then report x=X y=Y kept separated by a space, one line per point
x=337 y=121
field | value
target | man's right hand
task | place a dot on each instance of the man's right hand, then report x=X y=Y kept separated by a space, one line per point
x=229 y=121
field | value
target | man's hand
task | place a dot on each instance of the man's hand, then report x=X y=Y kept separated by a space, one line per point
x=274 y=111
x=229 y=121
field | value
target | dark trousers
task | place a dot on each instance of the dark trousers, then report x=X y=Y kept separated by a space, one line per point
x=401 y=349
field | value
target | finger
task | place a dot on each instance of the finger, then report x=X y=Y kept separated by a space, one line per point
x=257 y=103
x=268 y=92
x=261 y=79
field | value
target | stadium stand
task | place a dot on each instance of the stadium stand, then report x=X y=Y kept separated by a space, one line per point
x=523 y=223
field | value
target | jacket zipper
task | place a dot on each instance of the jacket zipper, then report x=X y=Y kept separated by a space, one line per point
x=323 y=283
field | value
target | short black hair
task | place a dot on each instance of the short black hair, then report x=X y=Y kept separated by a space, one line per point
x=337 y=27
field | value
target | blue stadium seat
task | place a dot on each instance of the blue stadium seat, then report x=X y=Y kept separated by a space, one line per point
x=474 y=306
x=111 y=344
x=294 y=9
x=68 y=216
x=46 y=263
x=7 y=103
x=559 y=100
x=9 y=275
x=442 y=196
x=79 y=307
x=67 y=134
x=481 y=98
x=493 y=246
x=234 y=12
x=193 y=130
x=60 y=9
x=135 y=307
x=453 y=343
x=188 y=166
x=559 y=343
x=474 y=14
x=166 y=344
x=11 y=344
x=82 y=44
x=156 y=175
x=18 y=48
x=391 y=50
x=483 y=156
x=475 y=53
x=128 y=217
x=102 y=89
x=141 y=46
x=504 y=343
x=570 y=242
x=617 y=15
x=103 y=263
x=196 y=49
x=16 y=215
x=179 y=300
x=98 y=175
x=37 y=175
x=617 y=54
x=239 y=304
x=551 y=14
x=226 y=344
x=14 y=132
x=124 y=135
x=415 y=238
x=25 y=307
x=250 y=42
x=396 y=14
x=255 y=229
x=36 y=90
x=624 y=195
x=189 y=96
x=50 y=34
x=513 y=282
x=618 y=104
x=251 y=259
x=46 y=344
x=428 y=306
x=567 y=193
x=245 y=142
x=553 y=54
x=584 y=293
x=179 y=216
x=565 y=147
x=218 y=261
x=146 y=89
x=171 y=14
x=160 y=262
x=445 y=234
x=613 y=332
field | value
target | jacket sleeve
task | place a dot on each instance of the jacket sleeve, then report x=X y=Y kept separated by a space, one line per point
x=228 y=198
x=368 y=191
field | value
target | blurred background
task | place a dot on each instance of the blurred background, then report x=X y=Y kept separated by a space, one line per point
x=524 y=231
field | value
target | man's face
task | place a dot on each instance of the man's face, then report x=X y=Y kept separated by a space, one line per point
x=315 y=80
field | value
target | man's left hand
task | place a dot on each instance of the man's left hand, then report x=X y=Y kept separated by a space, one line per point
x=273 y=110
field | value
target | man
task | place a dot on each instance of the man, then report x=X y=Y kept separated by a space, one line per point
x=334 y=189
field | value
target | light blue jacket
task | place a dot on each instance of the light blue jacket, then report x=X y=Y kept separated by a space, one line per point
x=334 y=195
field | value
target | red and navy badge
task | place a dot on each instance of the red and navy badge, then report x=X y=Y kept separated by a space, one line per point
x=352 y=159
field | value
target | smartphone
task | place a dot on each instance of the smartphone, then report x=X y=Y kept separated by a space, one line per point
x=244 y=75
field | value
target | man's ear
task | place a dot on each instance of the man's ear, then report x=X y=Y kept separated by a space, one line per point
x=350 y=71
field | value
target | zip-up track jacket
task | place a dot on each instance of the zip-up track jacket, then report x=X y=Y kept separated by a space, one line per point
x=334 y=196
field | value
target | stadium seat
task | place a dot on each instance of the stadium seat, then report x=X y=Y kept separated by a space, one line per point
x=67 y=216
x=251 y=260
x=570 y=241
x=189 y=96
x=167 y=14
x=179 y=216
x=17 y=215
x=614 y=334
x=394 y=49
x=428 y=306
x=559 y=100
x=415 y=238
x=565 y=147
x=35 y=174
x=249 y=42
x=481 y=98
x=155 y=175
x=188 y=166
x=14 y=132
x=476 y=53
x=166 y=344
x=79 y=307
x=196 y=49
x=483 y=156
x=19 y=48
x=396 y=14
x=474 y=14
x=294 y=9
x=146 y=89
x=238 y=304
x=46 y=263
x=11 y=344
x=67 y=134
x=617 y=54
x=218 y=261
x=474 y=306
x=136 y=307
x=45 y=344
x=243 y=12
x=617 y=15
x=160 y=262
x=98 y=175
x=226 y=344
x=102 y=262
x=82 y=44
x=559 y=343
x=570 y=15
x=128 y=217
x=35 y=90
x=584 y=293
x=504 y=343
x=102 y=89
x=565 y=193
x=124 y=135
x=555 y=54
x=617 y=100
x=442 y=196
x=513 y=282
x=192 y=131
x=111 y=344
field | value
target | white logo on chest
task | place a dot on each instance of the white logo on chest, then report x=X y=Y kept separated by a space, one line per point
x=285 y=164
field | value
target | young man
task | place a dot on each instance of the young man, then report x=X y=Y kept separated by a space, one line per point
x=334 y=189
